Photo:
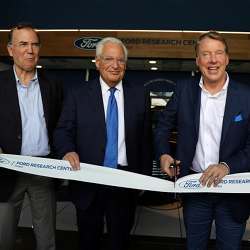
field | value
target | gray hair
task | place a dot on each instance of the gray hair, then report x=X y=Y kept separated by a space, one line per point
x=100 y=45
x=21 y=26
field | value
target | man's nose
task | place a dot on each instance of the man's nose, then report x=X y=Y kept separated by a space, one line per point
x=213 y=57
x=30 y=48
x=115 y=63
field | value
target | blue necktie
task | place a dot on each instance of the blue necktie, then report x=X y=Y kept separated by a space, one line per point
x=111 y=153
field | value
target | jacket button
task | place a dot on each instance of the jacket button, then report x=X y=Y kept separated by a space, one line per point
x=19 y=137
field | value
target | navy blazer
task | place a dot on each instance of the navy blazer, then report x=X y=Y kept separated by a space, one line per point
x=11 y=125
x=82 y=129
x=183 y=113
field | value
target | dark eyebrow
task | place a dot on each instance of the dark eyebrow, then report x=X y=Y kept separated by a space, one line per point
x=34 y=43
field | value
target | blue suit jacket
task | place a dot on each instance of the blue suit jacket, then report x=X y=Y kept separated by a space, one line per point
x=82 y=129
x=183 y=113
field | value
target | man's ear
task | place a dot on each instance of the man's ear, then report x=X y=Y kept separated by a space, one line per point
x=97 y=63
x=227 y=60
x=197 y=61
x=9 y=48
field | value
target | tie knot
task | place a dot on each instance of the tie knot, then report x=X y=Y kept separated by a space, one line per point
x=112 y=90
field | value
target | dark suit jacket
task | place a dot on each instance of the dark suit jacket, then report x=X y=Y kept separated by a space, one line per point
x=183 y=112
x=11 y=126
x=82 y=129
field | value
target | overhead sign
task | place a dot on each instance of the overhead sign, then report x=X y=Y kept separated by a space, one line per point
x=158 y=41
x=143 y=44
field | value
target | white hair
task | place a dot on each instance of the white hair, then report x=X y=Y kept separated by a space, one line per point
x=100 y=45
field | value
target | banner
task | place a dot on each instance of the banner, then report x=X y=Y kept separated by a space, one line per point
x=235 y=183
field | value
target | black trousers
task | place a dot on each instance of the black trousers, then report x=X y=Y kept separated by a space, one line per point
x=116 y=207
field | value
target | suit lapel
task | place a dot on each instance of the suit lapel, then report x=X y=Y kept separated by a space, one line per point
x=45 y=94
x=12 y=97
x=128 y=105
x=96 y=103
x=196 y=105
x=232 y=108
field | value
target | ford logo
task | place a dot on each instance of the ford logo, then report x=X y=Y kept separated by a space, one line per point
x=190 y=184
x=4 y=161
x=87 y=43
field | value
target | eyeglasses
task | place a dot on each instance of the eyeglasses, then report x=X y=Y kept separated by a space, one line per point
x=111 y=60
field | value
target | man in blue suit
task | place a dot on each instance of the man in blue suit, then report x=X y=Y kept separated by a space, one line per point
x=83 y=135
x=212 y=116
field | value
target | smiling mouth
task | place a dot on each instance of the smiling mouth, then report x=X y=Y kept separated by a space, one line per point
x=213 y=69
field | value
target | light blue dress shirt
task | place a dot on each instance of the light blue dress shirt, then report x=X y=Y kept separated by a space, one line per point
x=35 y=140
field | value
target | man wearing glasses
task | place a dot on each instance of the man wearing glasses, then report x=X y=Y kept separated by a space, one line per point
x=105 y=122
x=30 y=104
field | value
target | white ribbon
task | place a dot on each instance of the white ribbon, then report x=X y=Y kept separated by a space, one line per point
x=235 y=183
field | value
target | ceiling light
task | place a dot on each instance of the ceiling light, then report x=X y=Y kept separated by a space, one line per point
x=93 y=60
x=39 y=66
x=152 y=62
x=154 y=68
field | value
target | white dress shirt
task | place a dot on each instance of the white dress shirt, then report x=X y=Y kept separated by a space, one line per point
x=122 y=156
x=210 y=128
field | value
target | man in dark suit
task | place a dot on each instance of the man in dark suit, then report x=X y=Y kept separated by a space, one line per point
x=30 y=105
x=212 y=116
x=83 y=135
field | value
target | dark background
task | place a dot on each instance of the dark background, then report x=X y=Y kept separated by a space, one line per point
x=226 y=15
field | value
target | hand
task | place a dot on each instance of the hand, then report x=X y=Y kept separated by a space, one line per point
x=165 y=162
x=73 y=159
x=213 y=175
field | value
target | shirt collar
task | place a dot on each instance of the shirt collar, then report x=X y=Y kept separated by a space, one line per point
x=105 y=87
x=34 y=79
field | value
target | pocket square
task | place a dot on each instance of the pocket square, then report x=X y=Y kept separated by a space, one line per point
x=238 y=118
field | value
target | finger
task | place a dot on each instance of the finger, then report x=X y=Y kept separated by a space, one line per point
x=76 y=162
x=165 y=167
x=73 y=160
x=217 y=181
x=167 y=170
x=219 y=178
x=211 y=181
x=204 y=178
